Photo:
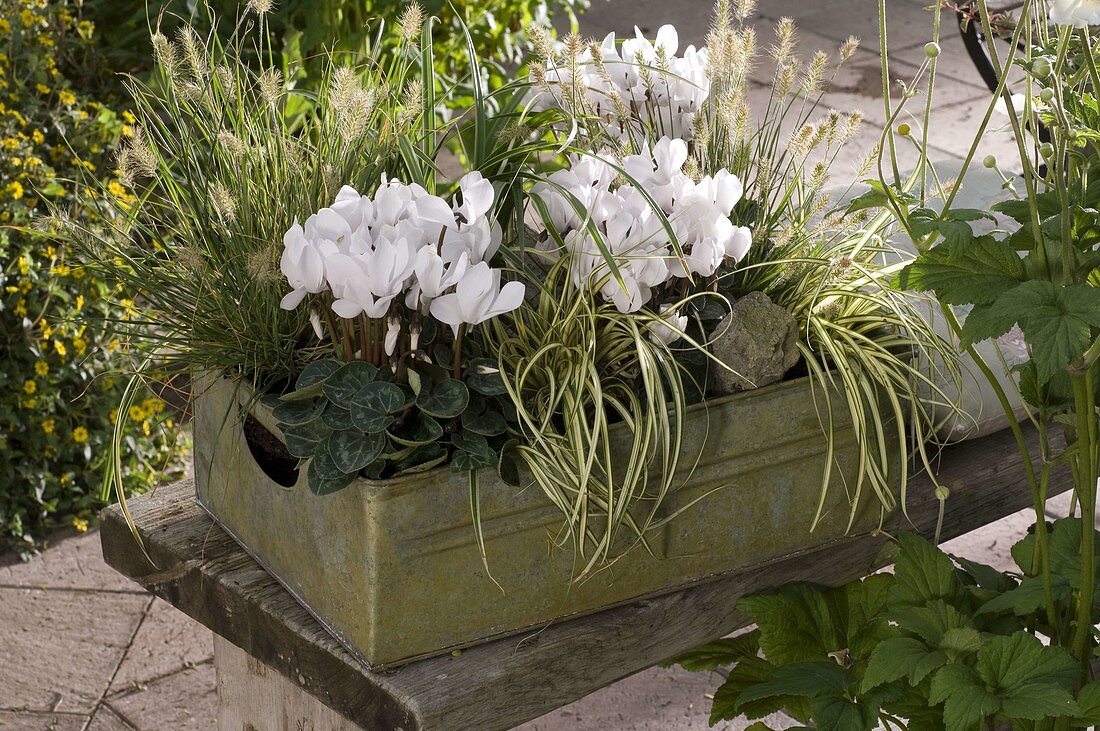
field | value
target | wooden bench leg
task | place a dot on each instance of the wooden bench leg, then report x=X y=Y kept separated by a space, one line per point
x=254 y=697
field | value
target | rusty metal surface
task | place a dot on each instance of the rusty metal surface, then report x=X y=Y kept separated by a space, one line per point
x=392 y=568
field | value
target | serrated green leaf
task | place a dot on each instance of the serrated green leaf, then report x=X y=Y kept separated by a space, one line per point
x=719 y=653
x=747 y=673
x=931 y=621
x=966 y=701
x=976 y=272
x=444 y=400
x=835 y=712
x=985 y=576
x=1036 y=701
x=800 y=679
x=922 y=574
x=352 y=450
x=1057 y=321
x=985 y=322
x=374 y=406
x=901 y=657
x=1020 y=210
x=1088 y=701
x=795 y=624
x=342 y=386
x=1009 y=662
x=1028 y=597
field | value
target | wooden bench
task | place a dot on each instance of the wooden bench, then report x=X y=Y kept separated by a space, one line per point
x=279 y=669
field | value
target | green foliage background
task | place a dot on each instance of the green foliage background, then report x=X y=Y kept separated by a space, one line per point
x=59 y=365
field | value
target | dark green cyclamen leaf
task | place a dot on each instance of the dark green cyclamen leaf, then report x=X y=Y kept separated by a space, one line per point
x=352 y=450
x=421 y=459
x=337 y=417
x=487 y=423
x=375 y=469
x=374 y=406
x=467 y=461
x=508 y=464
x=342 y=386
x=483 y=376
x=323 y=465
x=444 y=400
x=976 y=272
x=296 y=413
x=719 y=653
x=303 y=440
x=422 y=429
x=322 y=485
x=317 y=372
x=924 y=573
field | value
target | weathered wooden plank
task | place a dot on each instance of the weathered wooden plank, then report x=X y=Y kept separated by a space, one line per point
x=199 y=569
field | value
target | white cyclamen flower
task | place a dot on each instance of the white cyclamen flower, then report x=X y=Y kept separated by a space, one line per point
x=1077 y=13
x=1018 y=102
x=477 y=297
x=669 y=327
x=302 y=265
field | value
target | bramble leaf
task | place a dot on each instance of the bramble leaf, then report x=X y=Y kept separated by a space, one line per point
x=922 y=574
x=975 y=272
x=719 y=653
x=901 y=657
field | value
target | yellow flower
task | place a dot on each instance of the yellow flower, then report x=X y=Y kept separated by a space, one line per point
x=145 y=428
x=27 y=17
x=20 y=308
x=5 y=26
x=48 y=426
x=61 y=270
x=14 y=190
x=65 y=480
x=38 y=137
x=114 y=415
x=127 y=131
x=30 y=386
x=128 y=117
x=60 y=348
x=67 y=97
x=42 y=88
x=80 y=435
x=80 y=345
x=79 y=301
x=80 y=524
x=115 y=188
x=47 y=331
x=30 y=403
x=41 y=368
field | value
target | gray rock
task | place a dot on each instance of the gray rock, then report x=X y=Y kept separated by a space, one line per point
x=758 y=341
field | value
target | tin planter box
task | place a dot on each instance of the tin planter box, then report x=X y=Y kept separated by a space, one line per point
x=391 y=568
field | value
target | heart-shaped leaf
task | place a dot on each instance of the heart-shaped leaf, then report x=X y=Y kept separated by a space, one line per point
x=304 y=440
x=483 y=376
x=444 y=400
x=421 y=430
x=473 y=453
x=352 y=450
x=337 y=417
x=487 y=423
x=295 y=413
x=323 y=465
x=320 y=485
x=422 y=460
x=374 y=406
x=342 y=386
x=317 y=372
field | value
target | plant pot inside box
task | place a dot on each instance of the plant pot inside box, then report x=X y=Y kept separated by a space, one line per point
x=392 y=567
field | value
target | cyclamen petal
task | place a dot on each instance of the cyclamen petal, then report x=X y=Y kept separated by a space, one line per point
x=738 y=245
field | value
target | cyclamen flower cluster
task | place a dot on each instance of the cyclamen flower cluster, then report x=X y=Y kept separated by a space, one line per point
x=641 y=81
x=588 y=195
x=403 y=247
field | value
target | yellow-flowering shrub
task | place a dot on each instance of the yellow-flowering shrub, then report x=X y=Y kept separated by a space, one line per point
x=56 y=403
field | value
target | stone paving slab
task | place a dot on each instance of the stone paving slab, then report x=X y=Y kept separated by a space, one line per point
x=107 y=720
x=167 y=642
x=62 y=647
x=42 y=722
x=185 y=701
x=73 y=561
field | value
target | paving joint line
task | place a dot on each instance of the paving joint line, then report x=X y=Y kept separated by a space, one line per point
x=74 y=589
x=114 y=674
x=130 y=690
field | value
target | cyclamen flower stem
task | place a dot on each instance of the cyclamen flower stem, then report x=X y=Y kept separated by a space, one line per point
x=349 y=340
x=364 y=336
x=456 y=354
x=332 y=331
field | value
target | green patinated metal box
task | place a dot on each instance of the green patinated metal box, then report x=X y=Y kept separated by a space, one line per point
x=393 y=570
